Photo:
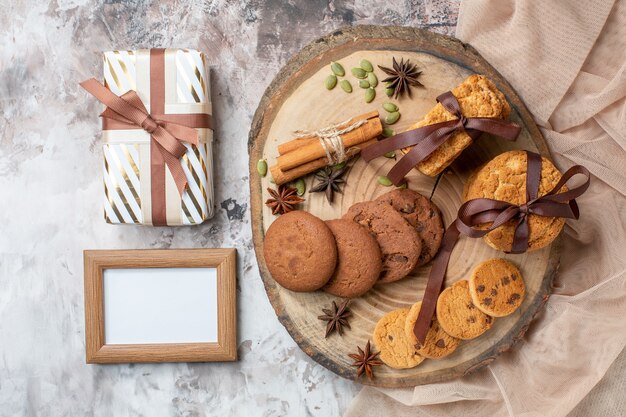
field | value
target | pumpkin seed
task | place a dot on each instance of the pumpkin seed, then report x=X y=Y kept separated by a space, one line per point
x=384 y=181
x=403 y=186
x=372 y=79
x=339 y=165
x=366 y=65
x=390 y=107
x=359 y=72
x=300 y=186
x=331 y=81
x=346 y=86
x=364 y=84
x=391 y=118
x=389 y=91
x=370 y=93
x=261 y=167
x=337 y=69
x=390 y=154
x=388 y=132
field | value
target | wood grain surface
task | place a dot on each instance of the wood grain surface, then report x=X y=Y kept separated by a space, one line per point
x=297 y=99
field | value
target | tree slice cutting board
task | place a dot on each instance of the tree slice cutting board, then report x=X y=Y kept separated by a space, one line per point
x=297 y=99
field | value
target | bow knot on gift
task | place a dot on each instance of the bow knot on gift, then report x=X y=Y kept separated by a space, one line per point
x=425 y=140
x=149 y=125
x=128 y=109
x=480 y=212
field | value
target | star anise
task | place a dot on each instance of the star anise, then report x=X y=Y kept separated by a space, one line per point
x=328 y=180
x=337 y=318
x=283 y=200
x=401 y=77
x=365 y=360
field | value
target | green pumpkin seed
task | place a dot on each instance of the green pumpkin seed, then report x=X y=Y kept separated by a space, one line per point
x=388 y=132
x=339 y=165
x=389 y=91
x=346 y=86
x=337 y=69
x=370 y=93
x=384 y=181
x=390 y=107
x=372 y=79
x=359 y=72
x=391 y=118
x=403 y=186
x=261 y=167
x=390 y=154
x=300 y=186
x=331 y=81
x=364 y=84
x=366 y=65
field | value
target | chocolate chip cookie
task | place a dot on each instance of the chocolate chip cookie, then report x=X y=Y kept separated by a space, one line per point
x=398 y=240
x=457 y=314
x=438 y=343
x=390 y=339
x=300 y=251
x=497 y=287
x=359 y=260
x=422 y=214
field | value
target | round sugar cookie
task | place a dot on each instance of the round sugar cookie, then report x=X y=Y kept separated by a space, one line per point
x=438 y=343
x=359 y=261
x=504 y=178
x=457 y=314
x=300 y=251
x=390 y=339
x=497 y=287
x=422 y=214
x=398 y=240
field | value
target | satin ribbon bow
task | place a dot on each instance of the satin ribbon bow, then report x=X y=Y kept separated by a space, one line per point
x=552 y=204
x=484 y=210
x=128 y=109
x=425 y=140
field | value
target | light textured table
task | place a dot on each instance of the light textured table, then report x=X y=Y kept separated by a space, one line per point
x=51 y=204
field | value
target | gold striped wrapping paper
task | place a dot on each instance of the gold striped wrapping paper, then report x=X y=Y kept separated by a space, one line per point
x=127 y=198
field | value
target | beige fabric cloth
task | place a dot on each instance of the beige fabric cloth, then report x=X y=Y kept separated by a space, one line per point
x=567 y=59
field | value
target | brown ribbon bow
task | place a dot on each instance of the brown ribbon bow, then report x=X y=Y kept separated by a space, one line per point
x=167 y=131
x=484 y=210
x=425 y=140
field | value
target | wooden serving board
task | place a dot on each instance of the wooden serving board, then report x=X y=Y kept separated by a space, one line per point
x=297 y=99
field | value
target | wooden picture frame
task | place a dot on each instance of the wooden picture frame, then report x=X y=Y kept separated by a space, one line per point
x=98 y=261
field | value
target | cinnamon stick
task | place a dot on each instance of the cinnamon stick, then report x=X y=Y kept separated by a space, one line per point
x=314 y=150
x=281 y=177
x=294 y=144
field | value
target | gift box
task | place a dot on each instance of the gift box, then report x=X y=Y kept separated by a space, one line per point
x=157 y=137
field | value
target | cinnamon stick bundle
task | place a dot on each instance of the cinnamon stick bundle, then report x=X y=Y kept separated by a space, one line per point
x=302 y=156
x=313 y=149
x=282 y=177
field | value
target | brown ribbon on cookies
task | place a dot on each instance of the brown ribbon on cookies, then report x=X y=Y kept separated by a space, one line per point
x=484 y=210
x=425 y=140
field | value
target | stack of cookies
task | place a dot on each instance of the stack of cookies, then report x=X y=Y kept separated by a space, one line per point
x=465 y=310
x=477 y=97
x=504 y=178
x=379 y=241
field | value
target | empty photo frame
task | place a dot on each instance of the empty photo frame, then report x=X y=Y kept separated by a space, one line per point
x=174 y=305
